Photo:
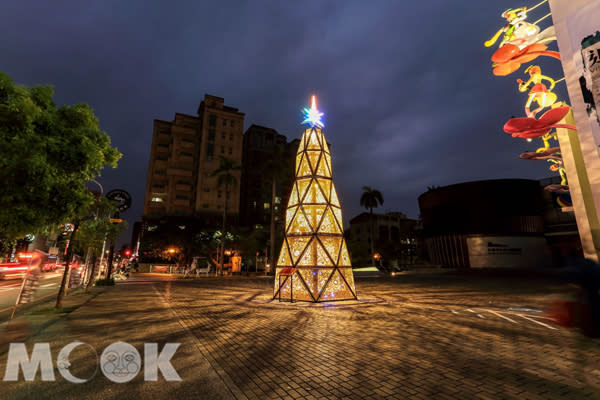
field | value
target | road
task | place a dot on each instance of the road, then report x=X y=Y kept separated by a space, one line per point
x=9 y=289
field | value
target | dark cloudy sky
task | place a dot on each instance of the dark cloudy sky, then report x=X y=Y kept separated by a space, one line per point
x=406 y=87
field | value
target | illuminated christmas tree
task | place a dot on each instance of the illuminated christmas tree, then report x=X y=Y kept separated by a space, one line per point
x=313 y=263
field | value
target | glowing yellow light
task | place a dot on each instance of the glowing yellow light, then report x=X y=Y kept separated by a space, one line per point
x=314 y=257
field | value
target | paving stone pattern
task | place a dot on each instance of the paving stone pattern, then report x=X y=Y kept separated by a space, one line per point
x=400 y=340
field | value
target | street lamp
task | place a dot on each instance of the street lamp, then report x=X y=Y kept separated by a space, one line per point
x=377 y=258
x=101 y=188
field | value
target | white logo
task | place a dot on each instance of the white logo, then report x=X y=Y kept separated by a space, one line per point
x=63 y=363
x=120 y=362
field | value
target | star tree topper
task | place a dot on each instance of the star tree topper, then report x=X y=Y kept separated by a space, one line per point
x=312 y=116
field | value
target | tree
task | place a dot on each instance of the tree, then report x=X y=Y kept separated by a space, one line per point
x=95 y=230
x=226 y=178
x=47 y=154
x=370 y=199
x=249 y=242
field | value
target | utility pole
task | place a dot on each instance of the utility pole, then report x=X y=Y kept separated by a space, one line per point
x=272 y=235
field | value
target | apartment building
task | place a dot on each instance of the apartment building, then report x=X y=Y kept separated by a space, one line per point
x=185 y=153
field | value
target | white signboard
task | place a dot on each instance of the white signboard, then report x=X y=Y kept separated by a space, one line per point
x=508 y=251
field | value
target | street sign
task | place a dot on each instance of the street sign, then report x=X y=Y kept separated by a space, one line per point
x=121 y=197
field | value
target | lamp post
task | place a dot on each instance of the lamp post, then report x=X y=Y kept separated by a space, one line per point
x=171 y=252
x=377 y=258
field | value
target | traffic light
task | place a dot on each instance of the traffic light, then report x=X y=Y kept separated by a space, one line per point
x=127 y=253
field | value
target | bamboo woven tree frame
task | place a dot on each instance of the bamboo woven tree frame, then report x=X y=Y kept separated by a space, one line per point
x=314 y=244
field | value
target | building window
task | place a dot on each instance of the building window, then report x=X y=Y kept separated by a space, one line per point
x=160 y=172
x=211 y=135
x=210 y=150
x=277 y=200
x=182 y=197
x=158 y=186
x=183 y=153
x=157 y=200
x=206 y=189
x=224 y=122
x=204 y=205
x=212 y=120
x=267 y=206
x=163 y=145
x=187 y=141
x=232 y=123
x=162 y=158
x=222 y=149
x=231 y=136
x=219 y=193
x=230 y=151
x=223 y=135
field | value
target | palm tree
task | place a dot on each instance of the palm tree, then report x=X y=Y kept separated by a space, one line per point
x=370 y=199
x=224 y=172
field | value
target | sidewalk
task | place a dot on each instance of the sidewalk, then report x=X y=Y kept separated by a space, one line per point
x=135 y=314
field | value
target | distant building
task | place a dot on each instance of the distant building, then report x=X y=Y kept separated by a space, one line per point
x=265 y=153
x=395 y=238
x=185 y=152
x=496 y=223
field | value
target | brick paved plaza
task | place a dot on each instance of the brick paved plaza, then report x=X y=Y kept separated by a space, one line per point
x=418 y=336
x=421 y=339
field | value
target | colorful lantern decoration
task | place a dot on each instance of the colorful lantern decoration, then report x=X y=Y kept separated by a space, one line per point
x=314 y=264
x=552 y=153
x=508 y=58
x=528 y=128
x=538 y=92
x=523 y=42
x=520 y=33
